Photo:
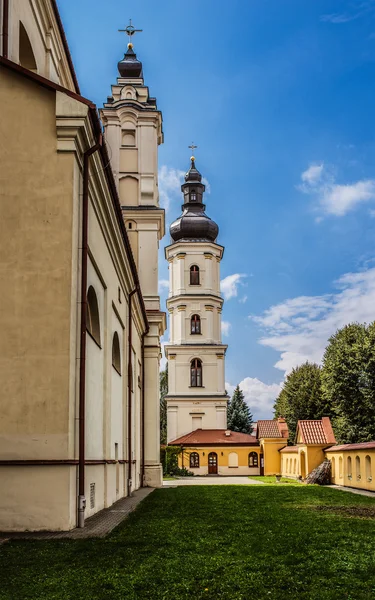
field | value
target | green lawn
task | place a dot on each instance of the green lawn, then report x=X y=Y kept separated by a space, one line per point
x=271 y=479
x=210 y=542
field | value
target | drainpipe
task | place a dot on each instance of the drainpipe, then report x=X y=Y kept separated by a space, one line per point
x=130 y=385
x=82 y=361
x=5 y=27
x=143 y=411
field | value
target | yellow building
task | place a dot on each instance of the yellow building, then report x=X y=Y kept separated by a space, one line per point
x=272 y=435
x=219 y=452
x=313 y=437
x=80 y=313
x=353 y=465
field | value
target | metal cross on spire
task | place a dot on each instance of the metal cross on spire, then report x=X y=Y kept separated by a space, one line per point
x=130 y=30
x=192 y=147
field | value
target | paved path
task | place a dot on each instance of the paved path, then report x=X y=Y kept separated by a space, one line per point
x=211 y=480
x=353 y=490
x=97 y=526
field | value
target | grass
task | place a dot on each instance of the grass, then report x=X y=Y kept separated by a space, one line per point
x=271 y=479
x=210 y=542
x=169 y=478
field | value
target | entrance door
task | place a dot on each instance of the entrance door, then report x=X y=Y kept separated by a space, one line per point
x=212 y=463
x=261 y=464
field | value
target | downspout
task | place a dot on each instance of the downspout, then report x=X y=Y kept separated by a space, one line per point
x=130 y=385
x=5 y=27
x=82 y=361
x=143 y=411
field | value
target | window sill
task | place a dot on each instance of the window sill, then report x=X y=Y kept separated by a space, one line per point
x=232 y=467
x=93 y=339
x=196 y=386
x=116 y=369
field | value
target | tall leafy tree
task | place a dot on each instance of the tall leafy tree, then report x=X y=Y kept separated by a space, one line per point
x=348 y=382
x=239 y=417
x=302 y=397
x=163 y=378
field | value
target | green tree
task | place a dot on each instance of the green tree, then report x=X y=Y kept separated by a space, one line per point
x=163 y=378
x=348 y=382
x=302 y=397
x=239 y=416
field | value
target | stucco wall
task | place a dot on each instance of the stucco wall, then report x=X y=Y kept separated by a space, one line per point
x=226 y=456
x=271 y=455
x=366 y=471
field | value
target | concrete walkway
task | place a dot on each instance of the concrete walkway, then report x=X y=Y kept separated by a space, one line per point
x=211 y=480
x=353 y=490
x=97 y=526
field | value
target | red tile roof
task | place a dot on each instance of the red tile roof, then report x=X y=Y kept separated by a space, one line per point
x=361 y=446
x=215 y=437
x=289 y=449
x=272 y=428
x=316 y=432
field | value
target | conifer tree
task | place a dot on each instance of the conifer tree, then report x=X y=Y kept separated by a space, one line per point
x=239 y=417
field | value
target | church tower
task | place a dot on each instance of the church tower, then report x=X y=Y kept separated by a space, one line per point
x=196 y=386
x=133 y=132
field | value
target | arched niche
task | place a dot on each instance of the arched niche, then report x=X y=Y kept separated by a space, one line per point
x=26 y=55
x=129 y=191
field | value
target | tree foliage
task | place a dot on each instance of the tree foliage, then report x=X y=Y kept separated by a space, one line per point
x=302 y=397
x=239 y=417
x=348 y=382
x=163 y=379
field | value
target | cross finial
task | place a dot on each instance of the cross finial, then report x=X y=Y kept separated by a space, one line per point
x=192 y=147
x=130 y=30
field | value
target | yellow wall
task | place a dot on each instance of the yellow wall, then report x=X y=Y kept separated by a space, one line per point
x=311 y=456
x=341 y=476
x=272 y=459
x=223 y=460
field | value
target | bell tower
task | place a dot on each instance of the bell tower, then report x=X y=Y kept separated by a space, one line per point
x=196 y=389
x=133 y=132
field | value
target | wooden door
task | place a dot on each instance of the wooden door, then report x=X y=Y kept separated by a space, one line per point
x=261 y=463
x=212 y=463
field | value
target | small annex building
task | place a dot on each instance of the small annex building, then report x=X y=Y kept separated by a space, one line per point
x=272 y=435
x=313 y=437
x=219 y=452
x=353 y=465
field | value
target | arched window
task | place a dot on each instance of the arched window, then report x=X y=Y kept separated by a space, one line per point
x=25 y=51
x=195 y=324
x=287 y=465
x=333 y=466
x=253 y=459
x=340 y=467
x=368 y=468
x=295 y=467
x=116 y=354
x=193 y=196
x=349 y=465
x=358 y=467
x=92 y=315
x=196 y=373
x=233 y=459
x=194 y=275
x=194 y=460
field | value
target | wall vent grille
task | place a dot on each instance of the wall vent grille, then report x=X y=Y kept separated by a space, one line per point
x=92 y=495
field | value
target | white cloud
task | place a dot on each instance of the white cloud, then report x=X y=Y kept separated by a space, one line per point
x=359 y=10
x=299 y=328
x=334 y=198
x=313 y=174
x=170 y=181
x=259 y=396
x=229 y=285
x=243 y=299
x=163 y=285
x=225 y=328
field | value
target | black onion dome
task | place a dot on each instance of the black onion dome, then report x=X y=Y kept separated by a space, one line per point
x=193 y=224
x=130 y=66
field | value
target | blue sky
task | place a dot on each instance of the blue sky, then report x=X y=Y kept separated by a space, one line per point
x=279 y=96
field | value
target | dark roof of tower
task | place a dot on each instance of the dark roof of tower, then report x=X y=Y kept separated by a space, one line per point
x=193 y=224
x=130 y=66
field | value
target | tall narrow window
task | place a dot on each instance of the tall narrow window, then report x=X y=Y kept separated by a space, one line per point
x=196 y=373
x=253 y=459
x=92 y=315
x=349 y=466
x=195 y=324
x=368 y=468
x=193 y=196
x=194 y=460
x=340 y=467
x=358 y=467
x=116 y=354
x=194 y=275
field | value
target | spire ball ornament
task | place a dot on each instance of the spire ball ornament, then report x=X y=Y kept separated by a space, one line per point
x=130 y=66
